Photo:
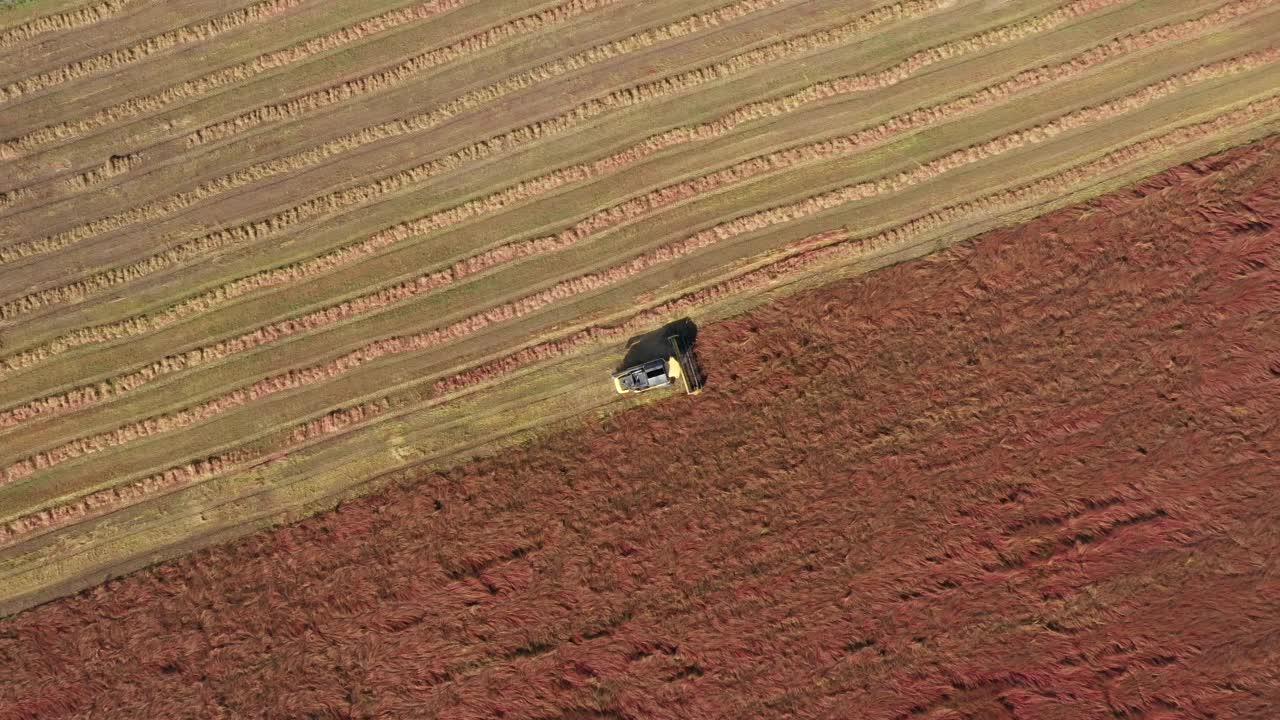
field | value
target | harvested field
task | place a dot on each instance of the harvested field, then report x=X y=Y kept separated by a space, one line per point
x=1030 y=476
x=256 y=255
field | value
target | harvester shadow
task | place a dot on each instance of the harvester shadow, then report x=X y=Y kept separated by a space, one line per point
x=653 y=344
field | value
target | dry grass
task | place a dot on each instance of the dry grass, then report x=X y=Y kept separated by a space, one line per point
x=592 y=282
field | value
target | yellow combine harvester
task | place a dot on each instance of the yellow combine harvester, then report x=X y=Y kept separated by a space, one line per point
x=661 y=372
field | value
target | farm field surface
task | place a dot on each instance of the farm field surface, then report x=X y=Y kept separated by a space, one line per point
x=256 y=257
x=1030 y=476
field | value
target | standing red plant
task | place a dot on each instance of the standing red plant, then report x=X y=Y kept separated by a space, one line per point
x=1034 y=476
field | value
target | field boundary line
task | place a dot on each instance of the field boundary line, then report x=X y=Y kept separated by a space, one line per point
x=299 y=52
x=817 y=249
x=345 y=200
x=350 y=361
x=66 y=20
x=602 y=221
x=113 y=59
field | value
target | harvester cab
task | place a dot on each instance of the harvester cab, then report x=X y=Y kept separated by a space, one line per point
x=678 y=366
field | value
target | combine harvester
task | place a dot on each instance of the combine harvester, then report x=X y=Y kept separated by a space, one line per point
x=679 y=364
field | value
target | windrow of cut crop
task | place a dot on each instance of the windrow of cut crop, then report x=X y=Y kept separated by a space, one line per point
x=596 y=281
x=384 y=80
x=301 y=161
x=115 y=166
x=9 y=198
x=526 y=190
x=599 y=222
x=191 y=90
x=100 y=392
x=137 y=52
x=814 y=251
x=63 y=21
x=346 y=200
x=844 y=243
x=188 y=473
x=304 y=159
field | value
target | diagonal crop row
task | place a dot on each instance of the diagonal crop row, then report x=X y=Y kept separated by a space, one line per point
x=844 y=243
x=803 y=255
x=203 y=85
x=596 y=281
x=709 y=130
x=602 y=221
x=89 y=395
x=103 y=62
x=189 y=473
x=383 y=80
x=330 y=261
x=301 y=160
x=10 y=197
x=369 y=192
x=66 y=20
x=115 y=165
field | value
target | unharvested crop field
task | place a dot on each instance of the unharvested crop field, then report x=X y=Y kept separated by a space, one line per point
x=256 y=256
x=1031 y=476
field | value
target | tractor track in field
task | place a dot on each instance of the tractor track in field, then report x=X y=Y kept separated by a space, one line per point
x=604 y=220
x=810 y=252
